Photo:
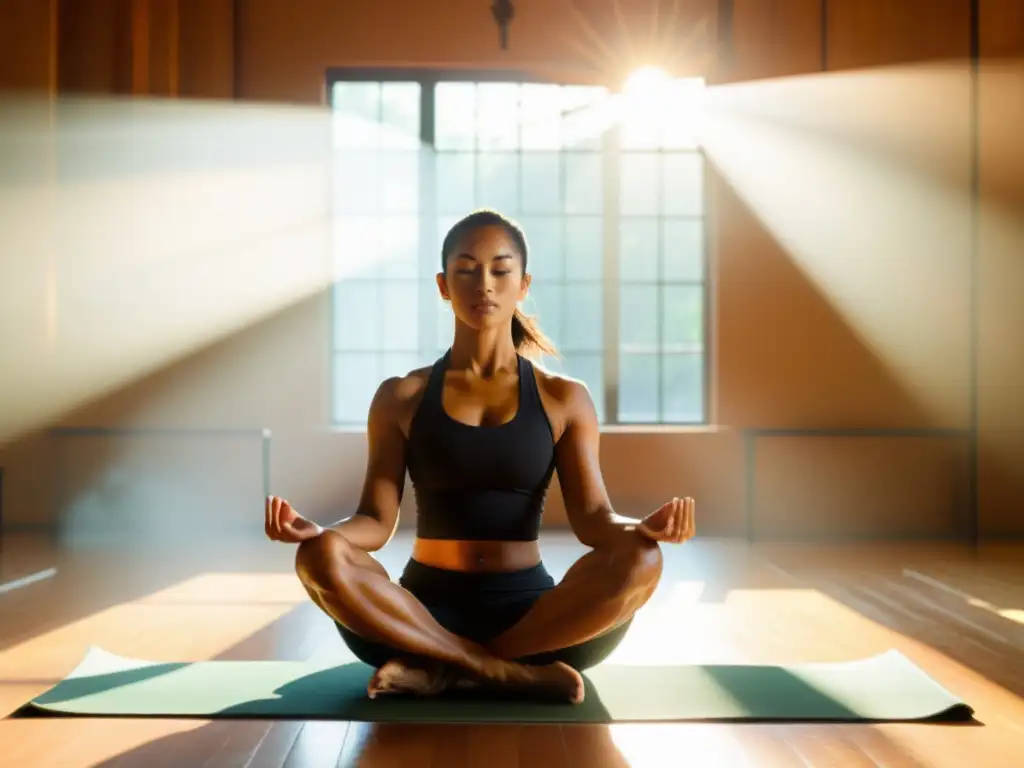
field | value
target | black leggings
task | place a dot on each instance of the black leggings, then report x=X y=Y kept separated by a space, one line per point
x=481 y=606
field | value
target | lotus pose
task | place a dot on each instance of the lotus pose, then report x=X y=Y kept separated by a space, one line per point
x=480 y=433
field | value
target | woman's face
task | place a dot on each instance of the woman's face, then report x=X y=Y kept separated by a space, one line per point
x=484 y=278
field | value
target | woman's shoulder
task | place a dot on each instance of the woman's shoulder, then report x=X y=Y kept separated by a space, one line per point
x=404 y=389
x=563 y=393
x=409 y=385
x=559 y=385
x=400 y=396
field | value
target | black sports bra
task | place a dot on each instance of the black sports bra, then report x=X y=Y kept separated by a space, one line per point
x=484 y=483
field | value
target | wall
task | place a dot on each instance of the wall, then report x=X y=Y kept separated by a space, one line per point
x=28 y=39
x=1001 y=268
x=847 y=313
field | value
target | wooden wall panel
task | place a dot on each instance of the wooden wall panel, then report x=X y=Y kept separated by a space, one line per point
x=120 y=47
x=775 y=39
x=28 y=45
x=1001 y=268
x=871 y=33
x=859 y=488
x=164 y=37
x=207 y=58
x=89 y=40
x=1001 y=28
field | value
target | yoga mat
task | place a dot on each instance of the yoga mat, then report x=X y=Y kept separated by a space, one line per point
x=887 y=687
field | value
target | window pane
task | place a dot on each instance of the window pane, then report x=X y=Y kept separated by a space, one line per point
x=356 y=312
x=639 y=183
x=585 y=116
x=456 y=182
x=357 y=98
x=584 y=317
x=399 y=181
x=682 y=247
x=399 y=316
x=445 y=326
x=682 y=312
x=400 y=363
x=638 y=317
x=497 y=116
x=584 y=192
x=680 y=130
x=584 y=248
x=551 y=364
x=683 y=388
x=356 y=181
x=590 y=370
x=684 y=183
x=546 y=302
x=354 y=245
x=398 y=242
x=455 y=115
x=638 y=388
x=541 y=116
x=355 y=114
x=356 y=378
x=542 y=182
x=444 y=224
x=643 y=128
x=638 y=250
x=498 y=177
x=400 y=115
x=546 y=260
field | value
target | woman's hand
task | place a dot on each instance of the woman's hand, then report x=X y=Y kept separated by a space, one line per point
x=285 y=524
x=672 y=522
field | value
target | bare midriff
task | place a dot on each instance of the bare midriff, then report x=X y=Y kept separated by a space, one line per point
x=457 y=555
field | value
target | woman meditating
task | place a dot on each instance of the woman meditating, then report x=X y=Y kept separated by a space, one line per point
x=481 y=432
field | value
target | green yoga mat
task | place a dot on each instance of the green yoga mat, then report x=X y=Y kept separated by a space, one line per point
x=887 y=687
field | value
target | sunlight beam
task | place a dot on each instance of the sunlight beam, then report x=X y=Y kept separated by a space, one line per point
x=863 y=179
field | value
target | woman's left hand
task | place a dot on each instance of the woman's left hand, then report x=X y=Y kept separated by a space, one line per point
x=672 y=522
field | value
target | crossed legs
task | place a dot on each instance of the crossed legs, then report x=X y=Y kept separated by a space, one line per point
x=602 y=590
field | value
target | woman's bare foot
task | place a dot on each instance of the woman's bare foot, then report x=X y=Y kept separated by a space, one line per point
x=428 y=678
x=556 y=681
x=400 y=676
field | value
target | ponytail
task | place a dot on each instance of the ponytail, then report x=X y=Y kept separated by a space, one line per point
x=528 y=338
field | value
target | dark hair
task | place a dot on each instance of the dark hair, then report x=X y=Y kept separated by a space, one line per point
x=526 y=333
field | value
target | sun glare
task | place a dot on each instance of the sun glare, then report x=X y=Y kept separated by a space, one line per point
x=658 y=110
x=646 y=82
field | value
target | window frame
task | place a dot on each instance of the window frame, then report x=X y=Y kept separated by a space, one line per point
x=611 y=152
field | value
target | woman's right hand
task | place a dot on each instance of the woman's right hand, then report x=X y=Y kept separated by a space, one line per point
x=283 y=523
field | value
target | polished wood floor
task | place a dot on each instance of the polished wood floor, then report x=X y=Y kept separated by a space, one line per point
x=957 y=612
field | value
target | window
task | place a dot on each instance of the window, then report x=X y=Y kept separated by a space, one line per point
x=615 y=220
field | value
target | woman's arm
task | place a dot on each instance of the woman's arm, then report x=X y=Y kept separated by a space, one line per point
x=577 y=460
x=376 y=517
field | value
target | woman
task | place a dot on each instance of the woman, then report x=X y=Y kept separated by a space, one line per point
x=480 y=433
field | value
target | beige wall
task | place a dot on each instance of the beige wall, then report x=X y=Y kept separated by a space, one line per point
x=835 y=305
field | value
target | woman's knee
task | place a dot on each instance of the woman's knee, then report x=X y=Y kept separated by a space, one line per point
x=638 y=560
x=321 y=558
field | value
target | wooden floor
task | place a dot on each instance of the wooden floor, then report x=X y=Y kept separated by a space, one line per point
x=958 y=613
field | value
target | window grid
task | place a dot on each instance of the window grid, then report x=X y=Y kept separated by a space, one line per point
x=660 y=350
